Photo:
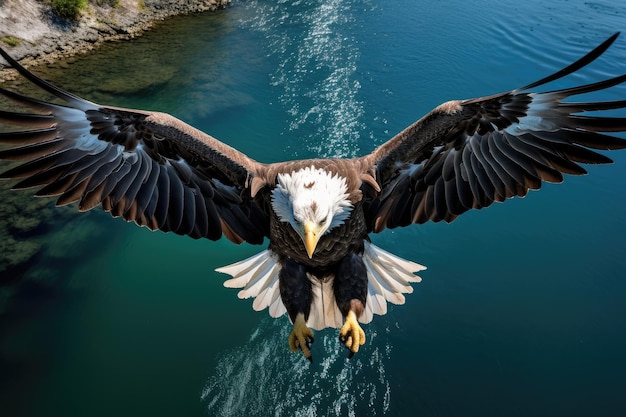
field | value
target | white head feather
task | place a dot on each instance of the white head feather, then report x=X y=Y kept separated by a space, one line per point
x=311 y=194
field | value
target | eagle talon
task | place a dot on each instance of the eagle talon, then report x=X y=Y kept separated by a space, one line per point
x=301 y=337
x=351 y=334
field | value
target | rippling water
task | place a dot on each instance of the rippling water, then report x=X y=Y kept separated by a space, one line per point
x=521 y=311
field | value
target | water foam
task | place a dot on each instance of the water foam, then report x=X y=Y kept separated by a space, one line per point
x=263 y=375
x=316 y=71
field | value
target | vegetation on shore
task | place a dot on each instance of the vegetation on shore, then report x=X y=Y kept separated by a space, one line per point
x=70 y=9
x=10 y=40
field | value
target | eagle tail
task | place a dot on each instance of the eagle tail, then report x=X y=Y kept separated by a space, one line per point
x=389 y=277
x=324 y=311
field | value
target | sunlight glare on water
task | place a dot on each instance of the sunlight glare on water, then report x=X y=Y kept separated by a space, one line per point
x=264 y=375
x=316 y=54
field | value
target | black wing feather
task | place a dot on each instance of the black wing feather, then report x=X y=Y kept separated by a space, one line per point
x=468 y=154
x=154 y=173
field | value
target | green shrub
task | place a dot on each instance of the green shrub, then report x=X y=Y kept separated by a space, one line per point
x=10 y=40
x=68 y=9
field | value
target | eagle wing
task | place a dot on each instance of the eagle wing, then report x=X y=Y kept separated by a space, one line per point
x=467 y=154
x=147 y=167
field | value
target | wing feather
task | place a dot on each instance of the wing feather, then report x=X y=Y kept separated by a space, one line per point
x=188 y=217
x=462 y=186
x=201 y=225
x=482 y=152
x=149 y=168
x=162 y=206
x=147 y=190
x=469 y=153
x=177 y=197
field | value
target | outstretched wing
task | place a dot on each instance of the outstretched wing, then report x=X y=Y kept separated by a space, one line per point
x=467 y=154
x=147 y=167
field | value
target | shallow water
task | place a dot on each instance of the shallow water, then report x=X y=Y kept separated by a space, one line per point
x=521 y=311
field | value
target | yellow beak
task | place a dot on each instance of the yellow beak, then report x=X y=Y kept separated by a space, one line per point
x=311 y=237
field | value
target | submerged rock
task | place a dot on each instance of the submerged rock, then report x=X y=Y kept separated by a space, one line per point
x=37 y=239
x=14 y=254
x=137 y=82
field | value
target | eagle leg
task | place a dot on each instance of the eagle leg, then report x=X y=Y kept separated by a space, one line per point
x=297 y=296
x=351 y=334
x=301 y=337
x=350 y=288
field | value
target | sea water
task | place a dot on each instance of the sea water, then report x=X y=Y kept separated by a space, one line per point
x=521 y=311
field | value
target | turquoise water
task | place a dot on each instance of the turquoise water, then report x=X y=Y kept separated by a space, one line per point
x=520 y=313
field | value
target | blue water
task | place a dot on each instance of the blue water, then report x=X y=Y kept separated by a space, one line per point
x=522 y=309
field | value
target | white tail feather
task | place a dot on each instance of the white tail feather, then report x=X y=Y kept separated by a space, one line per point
x=324 y=311
x=389 y=277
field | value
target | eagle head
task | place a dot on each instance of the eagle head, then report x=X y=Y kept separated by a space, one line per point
x=313 y=201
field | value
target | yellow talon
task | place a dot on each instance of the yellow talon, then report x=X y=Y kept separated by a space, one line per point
x=351 y=333
x=301 y=337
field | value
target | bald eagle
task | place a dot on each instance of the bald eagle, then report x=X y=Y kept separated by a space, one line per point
x=320 y=266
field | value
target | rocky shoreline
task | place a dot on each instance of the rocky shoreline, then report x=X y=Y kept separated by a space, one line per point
x=37 y=239
x=31 y=32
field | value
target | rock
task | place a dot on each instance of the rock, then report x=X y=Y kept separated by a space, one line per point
x=43 y=37
x=136 y=83
x=24 y=224
x=16 y=252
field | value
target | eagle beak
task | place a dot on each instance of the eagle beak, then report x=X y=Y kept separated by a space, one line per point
x=311 y=237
